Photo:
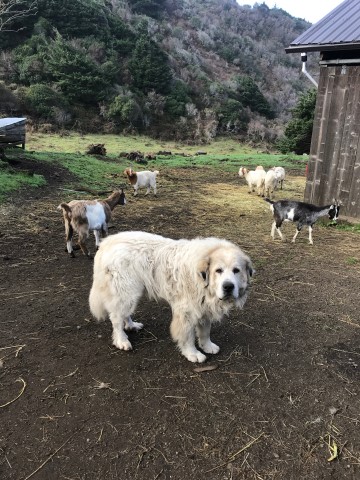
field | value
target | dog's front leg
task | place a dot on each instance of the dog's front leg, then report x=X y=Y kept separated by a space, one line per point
x=183 y=332
x=120 y=339
x=203 y=333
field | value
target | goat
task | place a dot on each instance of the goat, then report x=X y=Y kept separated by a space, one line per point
x=82 y=216
x=145 y=178
x=271 y=182
x=254 y=179
x=280 y=175
x=300 y=212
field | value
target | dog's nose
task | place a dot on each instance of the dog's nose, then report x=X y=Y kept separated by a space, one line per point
x=228 y=287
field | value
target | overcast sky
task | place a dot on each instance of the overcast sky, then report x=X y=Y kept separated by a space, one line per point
x=310 y=10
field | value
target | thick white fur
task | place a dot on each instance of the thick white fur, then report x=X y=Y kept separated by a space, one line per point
x=271 y=182
x=146 y=179
x=254 y=179
x=193 y=276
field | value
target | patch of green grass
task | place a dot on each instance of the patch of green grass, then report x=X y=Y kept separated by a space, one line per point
x=114 y=144
x=10 y=181
x=90 y=171
x=352 y=261
x=348 y=227
x=225 y=153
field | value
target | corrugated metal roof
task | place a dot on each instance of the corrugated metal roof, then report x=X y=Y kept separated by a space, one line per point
x=4 y=122
x=339 y=29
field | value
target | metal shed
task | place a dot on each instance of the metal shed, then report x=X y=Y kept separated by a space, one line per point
x=334 y=163
x=12 y=131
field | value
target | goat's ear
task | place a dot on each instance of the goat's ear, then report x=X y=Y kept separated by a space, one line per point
x=203 y=270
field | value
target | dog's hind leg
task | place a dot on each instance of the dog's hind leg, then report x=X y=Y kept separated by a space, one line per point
x=183 y=333
x=120 y=339
x=203 y=334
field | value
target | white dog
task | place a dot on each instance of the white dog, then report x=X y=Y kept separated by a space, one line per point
x=201 y=279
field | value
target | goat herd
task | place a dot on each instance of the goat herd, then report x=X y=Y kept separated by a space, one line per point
x=82 y=216
x=201 y=279
x=286 y=210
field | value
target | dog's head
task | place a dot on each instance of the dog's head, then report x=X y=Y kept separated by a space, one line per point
x=226 y=271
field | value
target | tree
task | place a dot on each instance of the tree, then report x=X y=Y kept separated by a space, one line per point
x=151 y=8
x=250 y=96
x=13 y=10
x=298 y=131
x=75 y=74
x=149 y=67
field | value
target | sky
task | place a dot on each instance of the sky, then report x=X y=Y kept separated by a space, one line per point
x=310 y=10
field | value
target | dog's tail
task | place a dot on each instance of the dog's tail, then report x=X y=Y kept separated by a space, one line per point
x=269 y=201
x=96 y=305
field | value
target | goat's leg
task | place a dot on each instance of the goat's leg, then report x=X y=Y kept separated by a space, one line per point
x=82 y=240
x=203 y=334
x=276 y=225
x=69 y=232
x=310 y=235
x=97 y=239
x=135 y=191
x=298 y=228
x=183 y=333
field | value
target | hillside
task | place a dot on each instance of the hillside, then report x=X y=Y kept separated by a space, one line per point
x=183 y=69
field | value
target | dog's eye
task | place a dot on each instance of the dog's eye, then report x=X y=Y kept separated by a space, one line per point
x=219 y=270
x=236 y=270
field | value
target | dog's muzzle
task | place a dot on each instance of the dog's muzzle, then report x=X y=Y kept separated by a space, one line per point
x=229 y=291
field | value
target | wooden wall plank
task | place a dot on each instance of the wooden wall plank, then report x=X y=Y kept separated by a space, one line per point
x=316 y=136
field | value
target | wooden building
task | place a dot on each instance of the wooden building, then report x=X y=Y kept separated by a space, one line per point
x=334 y=163
x=12 y=131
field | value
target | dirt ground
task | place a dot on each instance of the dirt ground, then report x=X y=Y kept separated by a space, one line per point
x=282 y=401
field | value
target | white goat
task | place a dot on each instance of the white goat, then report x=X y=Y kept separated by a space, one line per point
x=82 y=216
x=300 y=212
x=254 y=179
x=271 y=182
x=280 y=175
x=145 y=178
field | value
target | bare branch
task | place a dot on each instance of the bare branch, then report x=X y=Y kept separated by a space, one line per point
x=11 y=10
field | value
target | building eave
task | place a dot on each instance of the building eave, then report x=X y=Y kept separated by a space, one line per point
x=323 y=47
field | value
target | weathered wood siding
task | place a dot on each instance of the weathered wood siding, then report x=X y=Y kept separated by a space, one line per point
x=334 y=163
x=13 y=133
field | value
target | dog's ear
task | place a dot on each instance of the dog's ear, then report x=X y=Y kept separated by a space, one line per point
x=203 y=269
x=250 y=269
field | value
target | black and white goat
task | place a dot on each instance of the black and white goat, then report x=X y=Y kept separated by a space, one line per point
x=82 y=216
x=300 y=212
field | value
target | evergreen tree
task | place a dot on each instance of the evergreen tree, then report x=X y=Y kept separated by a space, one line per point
x=250 y=96
x=149 y=67
x=75 y=74
x=298 y=131
x=151 y=8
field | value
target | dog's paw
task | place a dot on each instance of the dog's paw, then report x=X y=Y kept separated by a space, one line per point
x=134 y=326
x=195 y=357
x=210 y=347
x=122 y=345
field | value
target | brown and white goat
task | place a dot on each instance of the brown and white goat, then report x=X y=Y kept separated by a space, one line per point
x=82 y=216
x=145 y=178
